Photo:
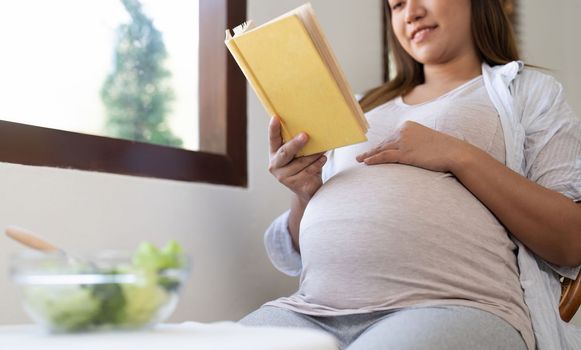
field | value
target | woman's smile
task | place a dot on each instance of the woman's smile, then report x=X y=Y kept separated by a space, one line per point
x=422 y=33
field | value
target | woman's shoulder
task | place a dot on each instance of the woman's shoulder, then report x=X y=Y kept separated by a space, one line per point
x=534 y=82
x=541 y=97
x=525 y=83
x=536 y=91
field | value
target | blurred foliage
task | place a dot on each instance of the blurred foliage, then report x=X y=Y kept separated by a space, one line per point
x=137 y=93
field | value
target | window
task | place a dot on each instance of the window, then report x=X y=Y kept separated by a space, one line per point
x=221 y=140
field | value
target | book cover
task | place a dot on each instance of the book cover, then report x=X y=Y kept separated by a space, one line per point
x=293 y=79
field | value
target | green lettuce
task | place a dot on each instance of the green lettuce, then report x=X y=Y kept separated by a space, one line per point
x=83 y=307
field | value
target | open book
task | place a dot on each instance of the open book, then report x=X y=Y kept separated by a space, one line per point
x=290 y=65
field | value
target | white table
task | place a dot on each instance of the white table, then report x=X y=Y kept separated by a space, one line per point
x=189 y=335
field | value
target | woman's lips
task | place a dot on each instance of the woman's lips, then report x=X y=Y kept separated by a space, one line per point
x=423 y=34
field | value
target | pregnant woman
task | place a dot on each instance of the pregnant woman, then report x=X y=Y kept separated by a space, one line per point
x=434 y=232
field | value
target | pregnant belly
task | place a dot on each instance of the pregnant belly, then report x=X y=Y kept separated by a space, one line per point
x=395 y=233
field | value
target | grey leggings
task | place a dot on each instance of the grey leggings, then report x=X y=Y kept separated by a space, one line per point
x=434 y=328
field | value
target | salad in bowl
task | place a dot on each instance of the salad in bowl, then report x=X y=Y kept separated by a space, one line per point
x=108 y=290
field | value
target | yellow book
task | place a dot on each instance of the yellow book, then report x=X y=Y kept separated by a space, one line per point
x=290 y=65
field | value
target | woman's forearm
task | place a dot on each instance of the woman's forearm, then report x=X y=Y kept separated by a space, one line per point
x=298 y=207
x=544 y=220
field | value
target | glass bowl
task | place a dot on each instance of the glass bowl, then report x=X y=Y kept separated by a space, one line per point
x=104 y=291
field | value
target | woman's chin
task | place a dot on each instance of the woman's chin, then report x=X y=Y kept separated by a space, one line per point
x=430 y=56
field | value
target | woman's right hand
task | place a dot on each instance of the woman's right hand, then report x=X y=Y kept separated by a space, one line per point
x=301 y=175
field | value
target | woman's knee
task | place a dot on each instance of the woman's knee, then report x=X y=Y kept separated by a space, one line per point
x=440 y=328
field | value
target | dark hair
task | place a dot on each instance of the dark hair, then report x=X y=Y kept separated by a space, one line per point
x=493 y=38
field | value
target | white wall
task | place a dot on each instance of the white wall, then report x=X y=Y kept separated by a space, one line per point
x=221 y=226
x=549 y=36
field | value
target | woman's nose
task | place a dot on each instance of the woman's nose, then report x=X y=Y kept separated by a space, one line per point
x=415 y=11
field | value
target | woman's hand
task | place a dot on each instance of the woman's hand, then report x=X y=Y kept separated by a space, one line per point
x=301 y=175
x=417 y=145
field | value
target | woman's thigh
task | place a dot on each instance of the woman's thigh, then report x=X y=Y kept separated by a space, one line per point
x=277 y=317
x=439 y=328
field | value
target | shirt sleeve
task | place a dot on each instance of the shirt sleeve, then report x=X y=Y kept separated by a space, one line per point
x=553 y=143
x=279 y=247
x=553 y=146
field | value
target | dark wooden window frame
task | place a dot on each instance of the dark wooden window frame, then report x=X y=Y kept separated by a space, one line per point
x=222 y=124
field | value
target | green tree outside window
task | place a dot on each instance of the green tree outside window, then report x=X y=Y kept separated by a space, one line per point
x=137 y=93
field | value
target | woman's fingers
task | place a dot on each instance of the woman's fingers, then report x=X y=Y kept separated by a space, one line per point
x=317 y=166
x=306 y=174
x=274 y=137
x=295 y=166
x=283 y=153
x=382 y=147
x=301 y=175
x=308 y=180
x=288 y=151
x=386 y=156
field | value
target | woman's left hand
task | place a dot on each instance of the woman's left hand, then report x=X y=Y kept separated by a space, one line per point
x=417 y=145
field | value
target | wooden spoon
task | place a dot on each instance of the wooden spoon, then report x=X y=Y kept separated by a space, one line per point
x=32 y=241
x=28 y=239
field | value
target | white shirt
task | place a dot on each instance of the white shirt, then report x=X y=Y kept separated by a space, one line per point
x=543 y=142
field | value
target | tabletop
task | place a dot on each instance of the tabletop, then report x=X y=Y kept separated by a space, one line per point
x=188 y=335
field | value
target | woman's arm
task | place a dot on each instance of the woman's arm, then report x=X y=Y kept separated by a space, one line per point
x=297 y=210
x=301 y=175
x=546 y=221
